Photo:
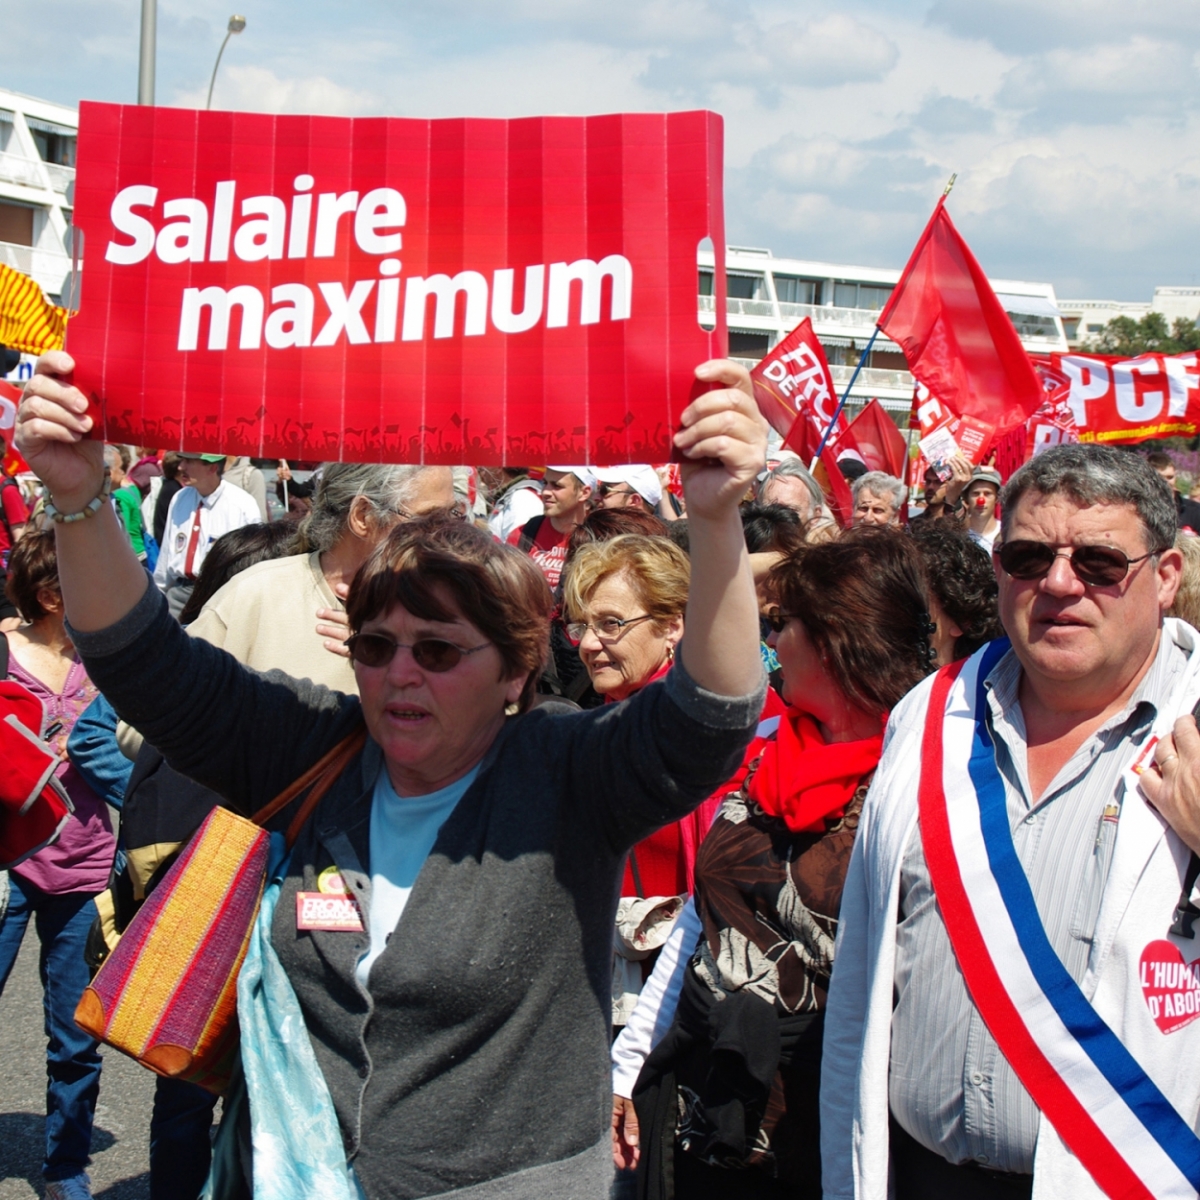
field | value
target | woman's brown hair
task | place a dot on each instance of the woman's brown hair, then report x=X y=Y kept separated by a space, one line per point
x=32 y=567
x=439 y=569
x=863 y=602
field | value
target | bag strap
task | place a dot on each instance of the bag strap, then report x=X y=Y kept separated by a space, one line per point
x=529 y=532
x=320 y=777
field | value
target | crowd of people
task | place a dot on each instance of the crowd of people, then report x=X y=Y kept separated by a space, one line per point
x=638 y=839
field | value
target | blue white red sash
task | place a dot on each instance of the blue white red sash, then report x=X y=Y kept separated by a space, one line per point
x=1102 y=1104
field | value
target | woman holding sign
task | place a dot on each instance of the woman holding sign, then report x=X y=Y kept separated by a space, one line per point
x=462 y=1026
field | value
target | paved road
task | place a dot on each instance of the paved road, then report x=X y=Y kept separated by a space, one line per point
x=120 y=1142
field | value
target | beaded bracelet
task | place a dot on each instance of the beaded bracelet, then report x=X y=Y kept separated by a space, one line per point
x=92 y=507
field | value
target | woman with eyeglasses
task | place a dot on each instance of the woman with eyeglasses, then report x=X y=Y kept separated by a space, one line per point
x=463 y=1030
x=726 y=1101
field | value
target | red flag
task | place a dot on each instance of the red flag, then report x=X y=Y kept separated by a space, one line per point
x=959 y=341
x=795 y=391
x=10 y=398
x=875 y=436
x=833 y=483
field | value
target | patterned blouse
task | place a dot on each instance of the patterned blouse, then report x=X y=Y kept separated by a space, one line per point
x=768 y=899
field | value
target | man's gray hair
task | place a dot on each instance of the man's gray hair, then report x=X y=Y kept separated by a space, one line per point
x=793 y=468
x=386 y=485
x=881 y=484
x=1091 y=474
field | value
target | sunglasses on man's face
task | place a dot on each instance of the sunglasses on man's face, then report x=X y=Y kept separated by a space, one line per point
x=430 y=654
x=1100 y=566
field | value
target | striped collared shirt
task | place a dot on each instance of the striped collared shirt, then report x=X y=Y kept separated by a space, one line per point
x=949 y=1086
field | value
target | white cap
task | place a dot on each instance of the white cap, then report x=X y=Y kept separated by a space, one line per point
x=585 y=475
x=642 y=478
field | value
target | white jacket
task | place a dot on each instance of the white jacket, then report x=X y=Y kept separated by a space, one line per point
x=1139 y=901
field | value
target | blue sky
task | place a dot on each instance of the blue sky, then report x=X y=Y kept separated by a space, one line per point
x=1074 y=128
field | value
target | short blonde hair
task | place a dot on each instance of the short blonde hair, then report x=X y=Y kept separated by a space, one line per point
x=658 y=571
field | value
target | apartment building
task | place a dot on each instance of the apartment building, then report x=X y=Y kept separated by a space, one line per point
x=1083 y=319
x=768 y=297
x=37 y=175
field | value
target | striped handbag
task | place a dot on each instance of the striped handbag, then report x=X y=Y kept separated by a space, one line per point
x=167 y=995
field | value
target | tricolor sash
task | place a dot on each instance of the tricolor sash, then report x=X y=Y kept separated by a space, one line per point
x=1101 y=1102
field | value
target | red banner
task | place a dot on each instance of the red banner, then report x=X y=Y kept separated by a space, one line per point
x=795 y=391
x=458 y=291
x=1112 y=399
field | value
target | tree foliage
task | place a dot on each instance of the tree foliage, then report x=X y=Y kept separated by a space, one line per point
x=1125 y=336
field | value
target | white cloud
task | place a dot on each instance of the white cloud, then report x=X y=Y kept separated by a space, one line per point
x=838 y=49
x=258 y=89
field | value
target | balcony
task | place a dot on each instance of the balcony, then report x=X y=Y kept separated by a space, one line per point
x=32 y=172
x=60 y=177
x=849 y=321
x=873 y=379
x=48 y=267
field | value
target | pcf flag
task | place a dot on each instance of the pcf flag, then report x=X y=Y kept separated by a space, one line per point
x=475 y=291
x=795 y=392
x=958 y=340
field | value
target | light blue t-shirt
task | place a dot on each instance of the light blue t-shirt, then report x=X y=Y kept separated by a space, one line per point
x=403 y=830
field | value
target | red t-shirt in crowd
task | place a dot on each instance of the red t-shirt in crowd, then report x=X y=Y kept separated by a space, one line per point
x=15 y=512
x=549 y=549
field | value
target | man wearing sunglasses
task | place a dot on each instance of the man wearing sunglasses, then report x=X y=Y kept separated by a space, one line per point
x=1021 y=880
x=635 y=485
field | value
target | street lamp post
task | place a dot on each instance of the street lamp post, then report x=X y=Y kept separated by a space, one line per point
x=146 y=53
x=236 y=25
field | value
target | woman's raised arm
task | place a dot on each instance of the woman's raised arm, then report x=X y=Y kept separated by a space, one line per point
x=99 y=573
x=724 y=443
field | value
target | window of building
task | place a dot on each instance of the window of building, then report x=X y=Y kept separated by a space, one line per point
x=1071 y=327
x=6 y=131
x=888 y=360
x=869 y=296
x=16 y=224
x=55 y=143
x=745 y=287
x=790 y=289
x=706 y=283
x=1029 y=325
x=748 y=345
x=1095 y=328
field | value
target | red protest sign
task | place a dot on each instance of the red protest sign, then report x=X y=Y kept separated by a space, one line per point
x=795 y=392
x=1112 y=399
x=451 y=291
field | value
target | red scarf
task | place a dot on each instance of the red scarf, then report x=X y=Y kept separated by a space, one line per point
x=806 y=780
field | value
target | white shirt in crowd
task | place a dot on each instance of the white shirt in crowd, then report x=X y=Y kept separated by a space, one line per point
x=228 y=507
x=520 y=504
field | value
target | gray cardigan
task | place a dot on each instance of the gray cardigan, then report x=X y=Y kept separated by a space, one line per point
x=478 y=1061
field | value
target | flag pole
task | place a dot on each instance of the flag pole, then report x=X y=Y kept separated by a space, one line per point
x=837 y=412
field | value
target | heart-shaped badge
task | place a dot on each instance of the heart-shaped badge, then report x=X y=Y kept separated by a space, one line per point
x=1170 y=985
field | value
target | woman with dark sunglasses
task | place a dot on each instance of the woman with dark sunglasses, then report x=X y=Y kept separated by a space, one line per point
x=727 y=1102
x=462 y=1029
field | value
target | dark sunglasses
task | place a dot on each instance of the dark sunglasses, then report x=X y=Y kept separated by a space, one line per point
x=430 y=654
x=776 y=619
x=1100 y=566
